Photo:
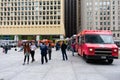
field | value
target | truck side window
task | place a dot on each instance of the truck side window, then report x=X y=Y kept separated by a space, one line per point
x=82 y=39
x=79 y=40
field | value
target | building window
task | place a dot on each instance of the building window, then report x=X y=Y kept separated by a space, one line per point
x=58 y=22
x=14 y=23
x=7 y=23
x=51 y=17
x=118 y=35
x=113 y=12
x=43 y=22
x=18 y=23
x=104 y=23
x=0 y=23
x=114 y=35
x=40 y=3
x=104 y=28
x=96 y=23
x=58 y=2
x=47 y=22
x=29 y=23
x=58 y=17
x=36 y=23
x=11 y=23
x=113 y=23
x=43 y=17
x=113 y=2
x=39 y=22
x=51 y=22
x=108 y=18
x=54 y=22
x=32 y=23
x=113 y=28
x=113 y=17
x=104 y=18
x=25 y=23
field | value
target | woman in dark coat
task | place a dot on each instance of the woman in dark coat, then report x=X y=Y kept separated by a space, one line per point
x=26 y=48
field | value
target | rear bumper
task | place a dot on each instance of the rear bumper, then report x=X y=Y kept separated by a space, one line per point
x=101 y=57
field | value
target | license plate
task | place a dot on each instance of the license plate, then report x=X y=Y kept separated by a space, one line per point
x=103 y=57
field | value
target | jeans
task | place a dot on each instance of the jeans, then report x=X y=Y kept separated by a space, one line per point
x=26 y=56
x=49 y=54
x=64 y=55
x=32 y=55
x=42 y=58
x=72 y=49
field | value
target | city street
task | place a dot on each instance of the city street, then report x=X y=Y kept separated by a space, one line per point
x=75 y=68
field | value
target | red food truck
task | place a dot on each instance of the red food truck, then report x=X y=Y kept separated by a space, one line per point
x=96 y=45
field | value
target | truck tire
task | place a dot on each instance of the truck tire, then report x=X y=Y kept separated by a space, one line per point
x=110 y=61
x=86 y=59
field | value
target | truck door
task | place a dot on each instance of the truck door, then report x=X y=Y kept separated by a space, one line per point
x=79 y=45
x=82 y=45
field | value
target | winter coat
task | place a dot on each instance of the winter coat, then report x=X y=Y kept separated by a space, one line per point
x=43 y=49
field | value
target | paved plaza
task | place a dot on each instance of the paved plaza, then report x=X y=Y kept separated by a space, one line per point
x=75 y=68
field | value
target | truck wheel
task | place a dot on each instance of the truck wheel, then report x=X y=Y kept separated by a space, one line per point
x=86 y=59
x=110 y=61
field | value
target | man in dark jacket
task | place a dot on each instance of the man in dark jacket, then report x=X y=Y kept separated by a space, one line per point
x=63 y=49
x=43 y=49
x=6 y=48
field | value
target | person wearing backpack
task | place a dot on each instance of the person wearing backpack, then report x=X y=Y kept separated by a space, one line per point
x=43 y=49
x=63 y=49
x=49 y=51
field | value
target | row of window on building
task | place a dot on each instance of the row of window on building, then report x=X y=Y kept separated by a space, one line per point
x=104 y=28
x=36 y=8
x=98 y=3
x=116 y=35
x=29 y=3
x=31 y=23
x=104 y=2
x=30 y=13
x=29 y=18
x=101 y=23
x=100 y=13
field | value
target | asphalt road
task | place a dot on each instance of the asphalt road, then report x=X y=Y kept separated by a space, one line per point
x=75 y=68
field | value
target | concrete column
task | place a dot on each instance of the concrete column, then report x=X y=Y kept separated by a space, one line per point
x=37 y=37
x=16 y=38
x=61 y=37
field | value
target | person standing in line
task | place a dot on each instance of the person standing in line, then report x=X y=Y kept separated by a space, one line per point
x=6 y=48
x=63 y=49
x=57 y=46
x=49 y=51
x=32 y=51
x=68 y=46
x=73 y=48
x=43 y=49
x=26 y=48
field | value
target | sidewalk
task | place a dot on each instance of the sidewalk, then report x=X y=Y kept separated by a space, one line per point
x=75 y=68
x=11 y=67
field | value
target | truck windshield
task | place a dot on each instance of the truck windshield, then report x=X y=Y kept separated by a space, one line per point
x=99 y=39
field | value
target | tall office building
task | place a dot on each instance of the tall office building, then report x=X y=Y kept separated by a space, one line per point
x=116 y=18
x=100 y=15
x=70 y=17
x=78 y=13
x=32 y=17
